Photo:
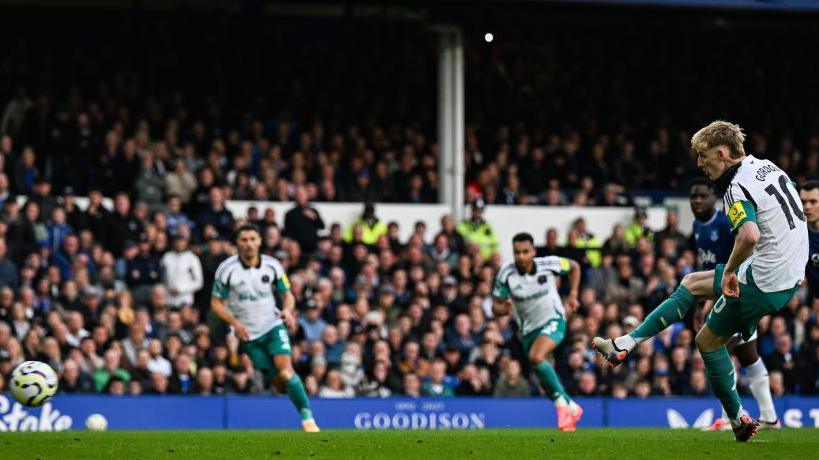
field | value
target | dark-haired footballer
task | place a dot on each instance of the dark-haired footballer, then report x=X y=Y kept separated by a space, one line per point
x=243 y=297
x=809 y=194
x=528 y=287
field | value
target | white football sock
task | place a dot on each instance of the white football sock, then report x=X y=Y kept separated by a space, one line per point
x=625 y=342
x=760 y=385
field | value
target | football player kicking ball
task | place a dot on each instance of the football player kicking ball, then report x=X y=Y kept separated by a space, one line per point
x=763 y=272
x=714 y=241
x=243 y=297
x=530 y=284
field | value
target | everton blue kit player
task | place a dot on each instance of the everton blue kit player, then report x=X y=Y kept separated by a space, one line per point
x=809 y=193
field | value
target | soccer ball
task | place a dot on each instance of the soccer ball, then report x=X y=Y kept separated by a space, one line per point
x=33 y=383
x=96 y=422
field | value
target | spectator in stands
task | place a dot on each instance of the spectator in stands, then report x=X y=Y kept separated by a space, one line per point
x=141 y=372
x=176 y=219
x=334 y=387
x=5 y=189
x=777 y=384
x=412 y=386
x=376 y=385
x=182 y=272
x=150 y=183
x=241 y=382
x=435 y=385
x=20 y=237
x=135 y=341
x=143 y=270
x=783 y=361
x=182 y=379
x=8 y=270
x=57 y=229
x=123 y=225
x=111 y=367
x=511 y=384
x=75 y=217
x=456 y=241
x=333 y=347
x=25 y=172
x=671 y=231
x=698 y=386
x=180 y=182
x=311 y=323
x=74 y=380
x=215 y=214
x=204 y=382
x=33 y=219
x=303 y=222
x=41 y=194
x=158 y=364
x=473 y=382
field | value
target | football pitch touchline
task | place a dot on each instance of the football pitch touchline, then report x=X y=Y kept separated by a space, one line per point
x=603 y=443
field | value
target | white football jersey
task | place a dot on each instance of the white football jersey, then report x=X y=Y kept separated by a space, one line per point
x=778 y=261
x=534 y=294
x=248 y=292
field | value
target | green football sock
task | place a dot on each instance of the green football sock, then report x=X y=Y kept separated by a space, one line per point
x=548 y=378
x=297 y=394
x=670 y=311
x=720 y=372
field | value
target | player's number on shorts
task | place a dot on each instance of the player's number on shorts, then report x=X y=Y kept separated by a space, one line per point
x=550 y=328
x=783 y=184
x=284 y=339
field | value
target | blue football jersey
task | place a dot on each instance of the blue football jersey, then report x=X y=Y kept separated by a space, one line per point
x=713 y=240
x=812 y=269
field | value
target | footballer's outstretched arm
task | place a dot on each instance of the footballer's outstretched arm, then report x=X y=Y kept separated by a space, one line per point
x=574 y=289
x=288 y=309
x=218 y=307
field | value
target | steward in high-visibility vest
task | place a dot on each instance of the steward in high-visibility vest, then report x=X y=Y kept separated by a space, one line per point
x=592 y=245
x=638 y=227
x=371 y=227
x=478 y=231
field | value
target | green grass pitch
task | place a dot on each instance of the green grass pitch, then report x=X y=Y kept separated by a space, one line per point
x=333 y=444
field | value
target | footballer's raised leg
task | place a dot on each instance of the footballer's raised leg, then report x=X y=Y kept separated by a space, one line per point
x=695 y=286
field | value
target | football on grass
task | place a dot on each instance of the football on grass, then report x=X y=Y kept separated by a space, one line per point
x=96 y=422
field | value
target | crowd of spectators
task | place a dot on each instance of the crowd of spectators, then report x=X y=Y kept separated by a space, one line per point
x=117 y=300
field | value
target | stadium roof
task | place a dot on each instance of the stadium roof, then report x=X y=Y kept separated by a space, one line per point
x=341 y=7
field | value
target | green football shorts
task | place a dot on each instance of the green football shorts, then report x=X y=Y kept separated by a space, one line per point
x=731 y=315
x=555 y=329
x=261 y=350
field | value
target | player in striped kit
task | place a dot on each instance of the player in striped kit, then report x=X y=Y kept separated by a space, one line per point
x=714 y=241
x=764 y=271
x=528 y=287
x=244 y=296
